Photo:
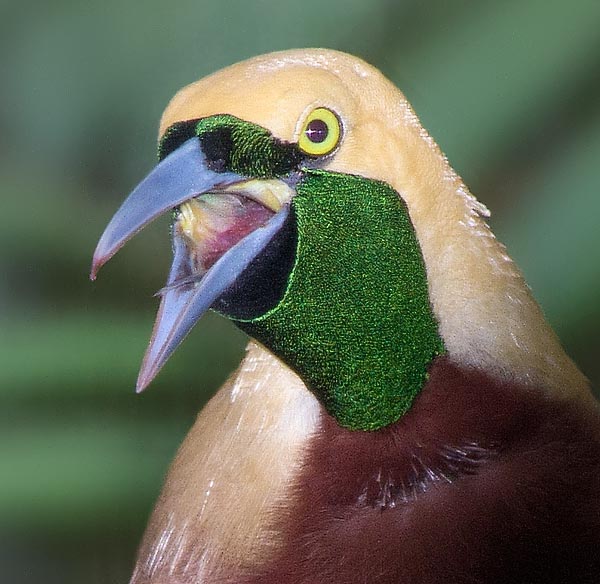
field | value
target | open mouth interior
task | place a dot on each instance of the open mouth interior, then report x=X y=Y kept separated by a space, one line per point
x=208 y=226
x=214 y=222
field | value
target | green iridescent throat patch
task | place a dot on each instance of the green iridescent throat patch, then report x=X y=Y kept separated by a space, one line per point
x=355 y=322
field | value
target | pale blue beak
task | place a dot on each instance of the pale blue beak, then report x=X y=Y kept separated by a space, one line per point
x=181 y=176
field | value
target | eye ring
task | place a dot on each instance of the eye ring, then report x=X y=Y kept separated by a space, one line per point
x=321 y=132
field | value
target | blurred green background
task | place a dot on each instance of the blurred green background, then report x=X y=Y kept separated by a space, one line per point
x=509 y=89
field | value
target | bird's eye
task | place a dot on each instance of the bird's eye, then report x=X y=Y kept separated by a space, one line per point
x=321 y=132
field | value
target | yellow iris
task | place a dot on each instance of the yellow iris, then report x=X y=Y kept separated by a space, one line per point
x=321 y=132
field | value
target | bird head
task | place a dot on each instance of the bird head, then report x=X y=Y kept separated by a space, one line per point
x=312 y=209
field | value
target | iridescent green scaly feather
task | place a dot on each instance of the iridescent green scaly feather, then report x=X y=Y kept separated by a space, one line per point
x=355 y=322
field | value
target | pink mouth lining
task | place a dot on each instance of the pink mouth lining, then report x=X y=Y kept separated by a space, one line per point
x=219 y=222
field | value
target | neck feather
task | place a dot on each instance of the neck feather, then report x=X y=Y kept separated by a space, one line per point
x=356 y=322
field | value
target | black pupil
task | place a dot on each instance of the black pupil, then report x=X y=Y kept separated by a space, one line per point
x=316 y=131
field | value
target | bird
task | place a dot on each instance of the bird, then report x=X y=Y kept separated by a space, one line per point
x=404 y=413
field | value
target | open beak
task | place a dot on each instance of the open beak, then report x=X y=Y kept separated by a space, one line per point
x=224 y=221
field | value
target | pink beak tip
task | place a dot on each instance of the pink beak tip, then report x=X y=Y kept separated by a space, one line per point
x=97 y=263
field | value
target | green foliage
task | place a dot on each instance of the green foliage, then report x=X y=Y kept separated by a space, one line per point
x=509 y=89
